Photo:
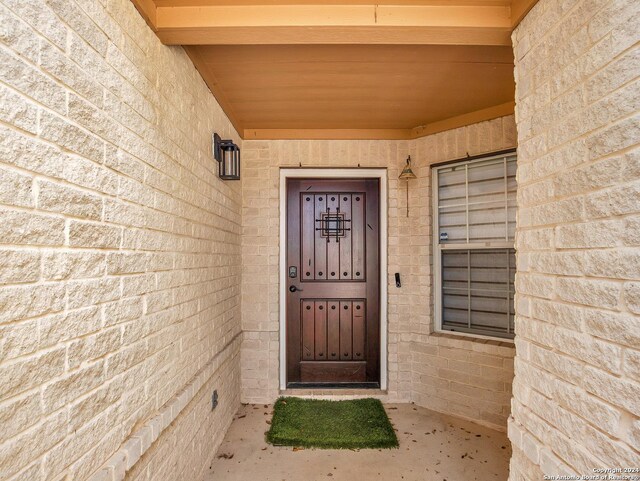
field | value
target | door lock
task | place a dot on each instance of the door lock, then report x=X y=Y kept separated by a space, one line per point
x=294 y=289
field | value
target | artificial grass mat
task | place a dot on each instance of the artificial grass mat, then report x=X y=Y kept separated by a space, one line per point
x=314 y=423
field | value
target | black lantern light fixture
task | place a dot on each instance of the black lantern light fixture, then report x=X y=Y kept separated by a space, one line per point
x=228 y=156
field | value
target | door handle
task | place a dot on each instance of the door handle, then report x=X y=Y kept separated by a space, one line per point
x=294 y=289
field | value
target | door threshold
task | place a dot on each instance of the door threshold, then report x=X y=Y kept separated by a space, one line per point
x=334 y=393
x=333 y=385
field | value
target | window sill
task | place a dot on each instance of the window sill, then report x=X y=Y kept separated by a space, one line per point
x=491 y=341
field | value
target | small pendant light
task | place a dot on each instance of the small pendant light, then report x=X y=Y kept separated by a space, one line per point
x=407 y=174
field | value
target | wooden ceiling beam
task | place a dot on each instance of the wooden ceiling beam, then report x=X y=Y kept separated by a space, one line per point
x=334 y=24
x=463 y=120
x=382 y=134
x=204 y=3
x=327 y=134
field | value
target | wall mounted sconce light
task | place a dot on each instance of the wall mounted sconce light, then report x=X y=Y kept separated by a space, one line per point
x=227 y=154
x=407 y=174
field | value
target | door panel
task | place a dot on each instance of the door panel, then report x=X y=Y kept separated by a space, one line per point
x=346 y=246
x=333 y=334
x=338 y=372
x=333 y=248
x=308 y=329
x=308 y=242
x=321 y=331
x=359 y=328
x=320 y=243
x=358 y=236
x=345 y=331
x=333 y=304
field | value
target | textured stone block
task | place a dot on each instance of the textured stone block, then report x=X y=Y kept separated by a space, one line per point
x=62 y=132
x=22 y=302
x=19 y=266
x=24 y=374
x=17 y=110
x=31 y=82
x=18 y=227
x=94 y=235
x=66 y=200
x=70 y=387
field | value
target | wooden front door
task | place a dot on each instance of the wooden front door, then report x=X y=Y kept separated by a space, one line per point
x=333 y=282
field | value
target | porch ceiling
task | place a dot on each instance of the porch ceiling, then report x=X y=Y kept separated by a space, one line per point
x=347 y=69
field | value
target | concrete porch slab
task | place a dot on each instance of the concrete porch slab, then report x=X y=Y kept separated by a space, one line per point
x=433 y=447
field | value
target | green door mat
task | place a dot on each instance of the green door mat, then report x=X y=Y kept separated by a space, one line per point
x=313 y=423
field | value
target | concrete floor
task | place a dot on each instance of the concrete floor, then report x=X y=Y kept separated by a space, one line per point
x=433 y=447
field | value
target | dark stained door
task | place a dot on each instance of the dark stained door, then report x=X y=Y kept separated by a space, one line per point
x=333 y=281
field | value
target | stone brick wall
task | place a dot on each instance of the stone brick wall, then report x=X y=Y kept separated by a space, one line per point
x=463 y=376
x=576 y=405
x=260 y=251
x=119 y=250
x=460 y=375
x=433 y=371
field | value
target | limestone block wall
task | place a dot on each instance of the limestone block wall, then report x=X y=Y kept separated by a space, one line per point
x=431 y=370
x=119 y=250
x=576 y=405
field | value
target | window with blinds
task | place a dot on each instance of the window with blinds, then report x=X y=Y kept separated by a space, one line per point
x=474 y=258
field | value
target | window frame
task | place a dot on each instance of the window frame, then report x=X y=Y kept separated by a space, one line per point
x=438 y=248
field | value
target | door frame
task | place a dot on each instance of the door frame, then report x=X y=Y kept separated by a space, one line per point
x=333 y=173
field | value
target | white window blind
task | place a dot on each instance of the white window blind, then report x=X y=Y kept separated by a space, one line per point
x=474 y=226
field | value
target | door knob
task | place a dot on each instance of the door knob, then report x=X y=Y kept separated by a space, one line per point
x=294 y=289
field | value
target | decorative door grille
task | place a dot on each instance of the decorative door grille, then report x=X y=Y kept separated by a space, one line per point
x=333 y=225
